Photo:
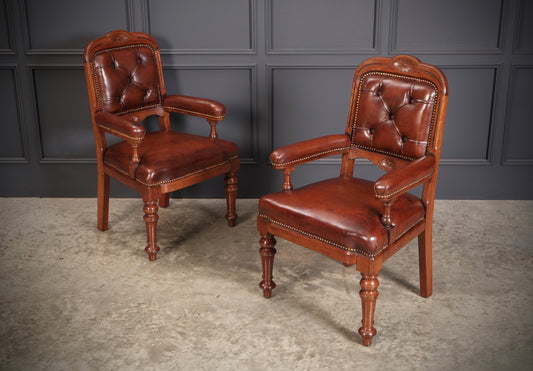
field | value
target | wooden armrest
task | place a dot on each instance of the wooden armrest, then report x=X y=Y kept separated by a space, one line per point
x=309 y=150
x=399 y=181
x=120 y=126
x=404 y=178
x=126 y=129
x=205 y=108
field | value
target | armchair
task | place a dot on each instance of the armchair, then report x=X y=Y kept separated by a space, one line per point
x=396 y=121
x=125 y=85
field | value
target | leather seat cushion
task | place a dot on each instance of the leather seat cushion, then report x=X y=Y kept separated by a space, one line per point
x=342 y=212
x=169 y=156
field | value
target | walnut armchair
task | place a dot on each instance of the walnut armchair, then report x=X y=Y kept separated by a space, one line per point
x=125 y=84
x=396 y=121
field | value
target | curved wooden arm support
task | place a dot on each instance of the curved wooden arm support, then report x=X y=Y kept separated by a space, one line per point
x=201 y=107
x=401 y=180
x=120 y=126
x=287 y=184
x=404 y=178
x=309 y=150
x=124 y=128
x=135 y=159
x=386 y=217
x=211 y=110
x=213 y=133
x=288 y=157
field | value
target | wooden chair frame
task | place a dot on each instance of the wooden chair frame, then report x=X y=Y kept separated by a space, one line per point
x=127 y=126
x=402 y=175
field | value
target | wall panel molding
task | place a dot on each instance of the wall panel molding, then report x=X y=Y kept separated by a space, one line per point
x=7 y=42
x=517 y=149
x=14 y=138
x=468 y=130
x=523 y=32
x=447 y=27
x=64 y=126
x=310 y=27
x=49 y=31
x=203 y=27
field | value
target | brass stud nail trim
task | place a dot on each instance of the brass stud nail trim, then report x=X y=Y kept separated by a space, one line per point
x=310 y=156
x=175 y=109
x=334 y=244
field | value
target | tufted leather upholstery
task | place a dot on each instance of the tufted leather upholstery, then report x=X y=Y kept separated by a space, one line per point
x=394 y=114
x=125 y=84
x=396 y=121
x=126 y=78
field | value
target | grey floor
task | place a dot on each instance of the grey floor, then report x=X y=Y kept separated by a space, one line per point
x=75 y=298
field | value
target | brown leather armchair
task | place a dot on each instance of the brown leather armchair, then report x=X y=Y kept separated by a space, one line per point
x=125 y=83
x=396 y=121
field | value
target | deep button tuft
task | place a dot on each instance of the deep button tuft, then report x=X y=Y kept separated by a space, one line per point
x=379 y=93
x=391 y=116
x=404 y=139
x=372 y=131
x=411 y=100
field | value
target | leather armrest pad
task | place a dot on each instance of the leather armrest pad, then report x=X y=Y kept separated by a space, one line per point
x=120 y=126
x=309 y=150
x=404 y=178
x=205 y=108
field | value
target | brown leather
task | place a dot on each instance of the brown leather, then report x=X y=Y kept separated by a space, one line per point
x=394 y=114
x=342 y=212
x=309 y=150
x=125 y=84
x=169 y=156
x=396 y=120
x=404 y=178
x=127 y=78
x=200 y=107
x=120 y=126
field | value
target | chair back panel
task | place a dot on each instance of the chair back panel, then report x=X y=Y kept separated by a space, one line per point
x=125 y=72
x=394 y=108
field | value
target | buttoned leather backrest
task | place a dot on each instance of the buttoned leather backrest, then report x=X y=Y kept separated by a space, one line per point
x=125 y=72
x=394 y=115
x=395 y=105
x=126 y=78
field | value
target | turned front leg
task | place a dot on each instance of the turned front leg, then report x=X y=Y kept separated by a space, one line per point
x=267 y=252
x=231 y=193
x=369 y=295
x=150 y=218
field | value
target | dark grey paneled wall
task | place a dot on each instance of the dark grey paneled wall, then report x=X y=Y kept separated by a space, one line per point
x=284 y=70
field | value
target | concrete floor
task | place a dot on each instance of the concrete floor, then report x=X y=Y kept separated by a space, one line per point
x=75 y=298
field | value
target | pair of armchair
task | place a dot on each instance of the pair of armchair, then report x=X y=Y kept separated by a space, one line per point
x=396 y=121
